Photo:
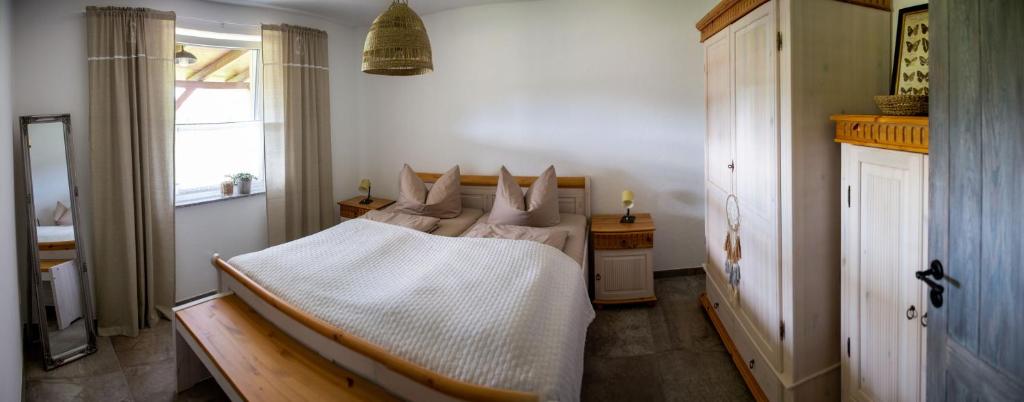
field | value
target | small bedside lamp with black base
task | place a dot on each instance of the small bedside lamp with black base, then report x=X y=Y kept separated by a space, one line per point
x=364 y=185
x=627 y=202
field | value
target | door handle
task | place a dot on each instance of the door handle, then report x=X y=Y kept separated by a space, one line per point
x=911 y=312
x=934 y=271
x=732 y=165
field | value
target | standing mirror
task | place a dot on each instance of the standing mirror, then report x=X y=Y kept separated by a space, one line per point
x=58 y=278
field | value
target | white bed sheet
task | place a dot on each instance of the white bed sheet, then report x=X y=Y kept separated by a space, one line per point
x=498 y=313
x=52 y=234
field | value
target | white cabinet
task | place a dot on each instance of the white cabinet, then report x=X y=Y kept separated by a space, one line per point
x=773 y=77
x=624 y=274
x=884 y=229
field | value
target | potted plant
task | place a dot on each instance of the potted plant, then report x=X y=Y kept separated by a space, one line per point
x=243 y=181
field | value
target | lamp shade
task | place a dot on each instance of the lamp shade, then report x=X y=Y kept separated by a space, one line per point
x=397 y=43
x=183 y=57
x=364 y=185
x=627 y=199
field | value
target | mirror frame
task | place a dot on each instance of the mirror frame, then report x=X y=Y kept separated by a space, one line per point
x=38 y=311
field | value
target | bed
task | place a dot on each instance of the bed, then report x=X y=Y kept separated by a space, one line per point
x=56 y=237
x=433 y=317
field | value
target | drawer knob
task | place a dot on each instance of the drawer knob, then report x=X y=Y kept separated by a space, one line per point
x=597 y=277
x=751 y=364
x=715 y=305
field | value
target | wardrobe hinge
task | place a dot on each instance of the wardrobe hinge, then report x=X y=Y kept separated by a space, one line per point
x=778 y=40
x=848 y=196
x=782 y=330
x=847 y=347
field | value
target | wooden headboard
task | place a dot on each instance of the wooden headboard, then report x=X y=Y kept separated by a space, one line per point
x=478 y=191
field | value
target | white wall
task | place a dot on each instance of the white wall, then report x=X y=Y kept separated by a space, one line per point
x=10 y=317
x=612 y=89
x=52 y=77
x=244 y=218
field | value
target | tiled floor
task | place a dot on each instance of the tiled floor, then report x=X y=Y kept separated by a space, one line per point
x=122 y=369
x=668 y=352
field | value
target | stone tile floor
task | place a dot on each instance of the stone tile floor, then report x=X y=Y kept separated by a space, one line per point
x=669 y=352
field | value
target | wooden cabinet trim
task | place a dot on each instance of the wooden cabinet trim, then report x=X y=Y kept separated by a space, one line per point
x=724 y=14
x=623 y=241
x=900 y=133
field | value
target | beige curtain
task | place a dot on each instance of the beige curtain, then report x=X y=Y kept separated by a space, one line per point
x=131 y=133
x=297 y=126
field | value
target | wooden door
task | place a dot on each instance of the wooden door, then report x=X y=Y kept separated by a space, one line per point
x=976 y=337
x=719 y=148
x=756 y=177
x=883 y=197
x=718 y=68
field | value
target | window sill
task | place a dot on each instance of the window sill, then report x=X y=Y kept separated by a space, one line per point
x=216 y=198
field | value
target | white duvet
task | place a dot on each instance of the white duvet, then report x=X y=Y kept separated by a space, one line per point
x=509 y=314
x=52 y=234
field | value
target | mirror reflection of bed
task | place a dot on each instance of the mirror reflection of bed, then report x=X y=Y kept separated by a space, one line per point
x=59 y=288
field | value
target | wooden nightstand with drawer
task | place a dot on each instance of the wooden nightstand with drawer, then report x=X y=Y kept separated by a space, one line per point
x=351 y=208
x=623 y=259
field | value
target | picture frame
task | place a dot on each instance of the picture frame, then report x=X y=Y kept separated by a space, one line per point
x=910 y=60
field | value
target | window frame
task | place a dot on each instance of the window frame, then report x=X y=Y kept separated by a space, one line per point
x=216 y=39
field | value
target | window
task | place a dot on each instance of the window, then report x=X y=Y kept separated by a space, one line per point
x=218 y=121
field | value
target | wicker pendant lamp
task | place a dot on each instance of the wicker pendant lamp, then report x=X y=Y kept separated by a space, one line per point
x=397 y=43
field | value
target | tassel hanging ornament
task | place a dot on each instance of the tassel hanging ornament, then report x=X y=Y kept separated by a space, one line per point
x=733 y=248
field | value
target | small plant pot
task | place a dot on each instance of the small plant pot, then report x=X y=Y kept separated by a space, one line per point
x=244 y=186
x=227 y=188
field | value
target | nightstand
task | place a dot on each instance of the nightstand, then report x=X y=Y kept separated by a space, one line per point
x=351 y=208
x=623 y=259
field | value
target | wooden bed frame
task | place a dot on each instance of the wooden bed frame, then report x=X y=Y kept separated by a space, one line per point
x=57 y=245
x=405 y=379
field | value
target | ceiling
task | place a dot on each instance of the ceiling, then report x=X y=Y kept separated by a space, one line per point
x=357 y=12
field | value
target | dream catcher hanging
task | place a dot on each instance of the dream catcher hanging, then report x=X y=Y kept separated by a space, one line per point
x=733 y=249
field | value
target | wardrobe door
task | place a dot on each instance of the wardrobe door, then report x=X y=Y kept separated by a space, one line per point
x=881 y=298
x=757 y=176
x=718 y=68
x=719 y=148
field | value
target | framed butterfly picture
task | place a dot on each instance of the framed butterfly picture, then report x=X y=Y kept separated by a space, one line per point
x=910 y=63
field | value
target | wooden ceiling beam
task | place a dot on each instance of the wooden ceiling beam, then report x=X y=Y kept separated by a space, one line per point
x=241 y=76
x=216 y=65
x=195 y=79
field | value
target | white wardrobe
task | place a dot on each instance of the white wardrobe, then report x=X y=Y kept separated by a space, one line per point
x=775 y=71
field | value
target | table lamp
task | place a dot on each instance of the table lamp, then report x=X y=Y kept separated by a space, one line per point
x=627 y=202
x=364 y=185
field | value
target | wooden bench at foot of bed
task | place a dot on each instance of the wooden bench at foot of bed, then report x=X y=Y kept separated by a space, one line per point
x=253 y=360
